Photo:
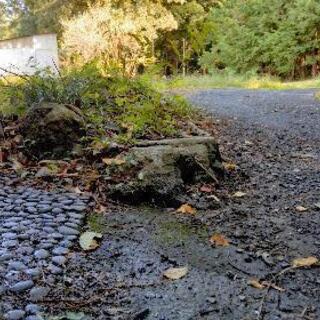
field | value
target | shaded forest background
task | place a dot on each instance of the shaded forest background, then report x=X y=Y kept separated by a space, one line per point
x=276 y=37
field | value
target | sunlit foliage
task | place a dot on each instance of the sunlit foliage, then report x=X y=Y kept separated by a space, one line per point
x=117 y=35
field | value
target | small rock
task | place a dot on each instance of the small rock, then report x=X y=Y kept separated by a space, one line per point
x=60 y=251
x=54 y=269
x=34 y=317
x=33 y=309
x=68 y=231
x=17 y=265
x=38 y=293
x=59 y=260
x=41 y=254
x=34 y=273
x=22 y=286
x=10 y=244
x=15 y=315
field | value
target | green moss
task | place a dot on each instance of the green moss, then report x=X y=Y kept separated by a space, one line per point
x=96 y=222
x=174 y=232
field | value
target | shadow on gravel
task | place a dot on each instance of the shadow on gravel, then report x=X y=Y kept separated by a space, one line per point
x=123 y=278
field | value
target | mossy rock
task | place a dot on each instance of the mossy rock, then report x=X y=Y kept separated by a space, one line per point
x=52 y=128
x=168 y=166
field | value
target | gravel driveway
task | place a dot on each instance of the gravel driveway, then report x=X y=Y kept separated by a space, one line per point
x=271 y=140
x=295 y=112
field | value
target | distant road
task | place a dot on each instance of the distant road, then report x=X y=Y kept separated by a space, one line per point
x=294 y=111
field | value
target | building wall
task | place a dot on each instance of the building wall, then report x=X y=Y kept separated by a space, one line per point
x=29 y=54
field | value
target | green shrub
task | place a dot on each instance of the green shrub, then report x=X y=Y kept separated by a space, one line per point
x=138 y=110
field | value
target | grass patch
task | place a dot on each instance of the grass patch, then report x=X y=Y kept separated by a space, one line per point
x=217 y=81
x=132 y=106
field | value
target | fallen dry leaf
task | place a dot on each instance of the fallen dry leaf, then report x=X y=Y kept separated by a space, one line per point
x=229 y=166
x=113 y=161
x=263 y=285
x=239 y=194
x=88 y=240
x=304 y=262
x=301 y=209
x=219 y=240
x=256 y=284
x=207 y=189
x=186 y=209
x=176 y=273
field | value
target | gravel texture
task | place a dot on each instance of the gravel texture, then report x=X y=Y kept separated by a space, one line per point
x=37 y=230
x=273 y=138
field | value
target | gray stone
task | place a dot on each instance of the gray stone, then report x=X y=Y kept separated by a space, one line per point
x=60 y=251
x=54 y=269
x=34 y=317
x=68 y=231
x=56 y=210
x=15 y=315
x=10 y=244
x=38 y=293
x=9 y=236
x=167 y=166
x=52 y=127
x=46 y=246
x=17 y=265
x=32 y=309
x=59 y=260
x=55 y=235
x=41 y=254
x=34 y=273
x=5 y=256
x=22 y=286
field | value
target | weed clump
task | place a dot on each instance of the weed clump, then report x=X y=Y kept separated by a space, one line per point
x=115 y=108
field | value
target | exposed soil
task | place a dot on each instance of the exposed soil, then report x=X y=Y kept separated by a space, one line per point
x=273 y=137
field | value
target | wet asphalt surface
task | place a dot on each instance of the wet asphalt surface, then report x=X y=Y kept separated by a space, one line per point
x=273 y=137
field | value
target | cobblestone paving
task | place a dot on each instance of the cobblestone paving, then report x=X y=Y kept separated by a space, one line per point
x=37 y=231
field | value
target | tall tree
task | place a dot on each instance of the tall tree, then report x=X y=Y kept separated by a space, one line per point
x=278 y=37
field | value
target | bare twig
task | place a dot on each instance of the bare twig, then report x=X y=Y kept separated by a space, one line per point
x=271 y=284
x=208 y=171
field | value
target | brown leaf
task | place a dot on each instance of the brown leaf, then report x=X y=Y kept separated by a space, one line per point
x=207 y=189
x=113 y=161
x=186 y=209
x=176 y=273
x=229 y=166
x=304 y=262
x=3 y=156
x=239 y=194
x=219 y=240
x=301 y=209
x=256 y=284
x=264 y=284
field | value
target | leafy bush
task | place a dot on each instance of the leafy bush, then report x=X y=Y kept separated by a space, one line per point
x=108 y=101
x=277 y=37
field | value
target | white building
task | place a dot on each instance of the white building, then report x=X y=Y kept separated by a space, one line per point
x=29 y=54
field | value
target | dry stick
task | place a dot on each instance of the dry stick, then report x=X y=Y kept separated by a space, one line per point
x=208 y=171
x=270 y=284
